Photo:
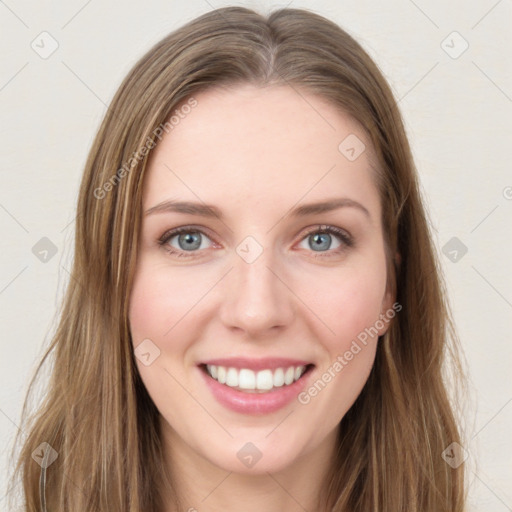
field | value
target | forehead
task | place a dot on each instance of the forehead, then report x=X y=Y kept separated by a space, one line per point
x=261 y=147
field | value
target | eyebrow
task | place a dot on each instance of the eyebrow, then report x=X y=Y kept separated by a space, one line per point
x=208 y=210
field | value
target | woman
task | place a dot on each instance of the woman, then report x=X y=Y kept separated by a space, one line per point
x=256 y=319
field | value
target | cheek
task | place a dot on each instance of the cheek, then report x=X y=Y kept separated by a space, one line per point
x=158 y=302
x=160 y=311
x=349 y=302
x=351 y=307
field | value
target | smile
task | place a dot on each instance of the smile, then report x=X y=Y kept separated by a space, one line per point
x=245 y=379
x=250 y=386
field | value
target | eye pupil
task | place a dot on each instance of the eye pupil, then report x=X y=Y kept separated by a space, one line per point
x=318 y=242
x=190 y=238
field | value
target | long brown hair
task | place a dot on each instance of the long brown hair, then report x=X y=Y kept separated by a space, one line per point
x=97 y=415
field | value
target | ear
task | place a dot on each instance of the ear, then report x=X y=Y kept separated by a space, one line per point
x=387 y=312
x=389 y=307
x=398 y=260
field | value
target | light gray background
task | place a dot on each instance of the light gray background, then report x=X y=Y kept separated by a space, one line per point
x=458 y=117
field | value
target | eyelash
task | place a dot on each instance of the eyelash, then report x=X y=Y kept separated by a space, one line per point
x=346 y=239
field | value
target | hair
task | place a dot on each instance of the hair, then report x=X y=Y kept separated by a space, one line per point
x=96 y=413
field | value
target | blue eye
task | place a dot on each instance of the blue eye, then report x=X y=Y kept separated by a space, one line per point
x=190 y=240
x=321 y=237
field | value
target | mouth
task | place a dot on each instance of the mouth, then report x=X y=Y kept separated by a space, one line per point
x=255 y=385
x=262 y=380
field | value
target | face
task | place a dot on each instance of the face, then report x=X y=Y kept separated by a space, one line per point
x=262 y=284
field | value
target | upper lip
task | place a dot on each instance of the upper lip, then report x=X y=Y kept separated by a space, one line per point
x=271 y=363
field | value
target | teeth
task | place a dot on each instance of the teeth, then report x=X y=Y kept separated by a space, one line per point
x=279 y=377
x=246 y=379
x=289 y=376
x=232 y=378
x=263 y=380
x=221 y=374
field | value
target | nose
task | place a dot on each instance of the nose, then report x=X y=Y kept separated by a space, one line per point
x=256 y=298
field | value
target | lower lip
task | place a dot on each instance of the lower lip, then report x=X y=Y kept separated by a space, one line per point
x=255 y=403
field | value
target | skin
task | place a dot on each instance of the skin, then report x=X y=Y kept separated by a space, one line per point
x=257 y=153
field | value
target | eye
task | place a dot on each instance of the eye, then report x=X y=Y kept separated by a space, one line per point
x=320 y=240
x=188 y=239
